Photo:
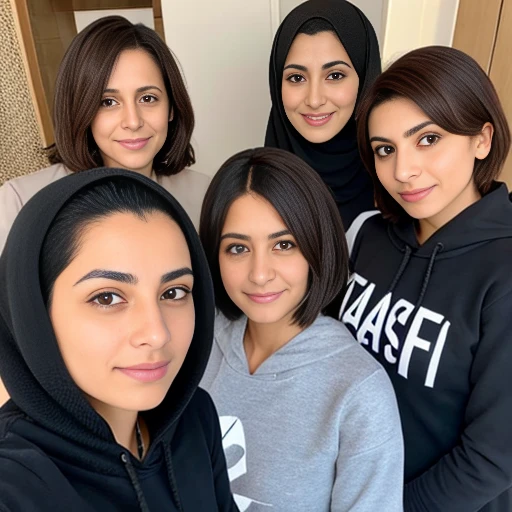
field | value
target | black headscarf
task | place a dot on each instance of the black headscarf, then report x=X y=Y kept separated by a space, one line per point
x=31 y=365
x=337 y=160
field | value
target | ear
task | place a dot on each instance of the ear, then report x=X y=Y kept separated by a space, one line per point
x=484 y=141
x=171 y=115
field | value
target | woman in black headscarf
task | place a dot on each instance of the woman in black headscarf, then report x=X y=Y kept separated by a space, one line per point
x=106 y=325
x=324 y=57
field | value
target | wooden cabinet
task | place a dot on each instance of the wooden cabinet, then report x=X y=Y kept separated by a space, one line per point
x=484 y=31
x=45 y=29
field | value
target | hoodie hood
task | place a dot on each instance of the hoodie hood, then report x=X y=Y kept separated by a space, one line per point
x=488 y=219
x=31 y=365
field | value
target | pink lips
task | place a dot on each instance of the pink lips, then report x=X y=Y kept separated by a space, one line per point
x=264 y=298
x=318 y=119
x=147 y=372
x=416 y=195
x=134 y=144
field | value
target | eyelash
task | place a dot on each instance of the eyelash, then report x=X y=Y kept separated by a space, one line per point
x=436 y=136
x=229 y=248
x=296 y=75
x=93 y=300
x=152 y=98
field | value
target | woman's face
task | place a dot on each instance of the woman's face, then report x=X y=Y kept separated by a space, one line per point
x=123 y=312
x=319 y=87
x=131 y=124
x=426 y=169
x=263 y=271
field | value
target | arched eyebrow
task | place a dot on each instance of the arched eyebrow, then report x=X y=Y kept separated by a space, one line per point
x=410 y=132
x=327 y=65
x=123 y=277
x=146 y=88
x=239 y=236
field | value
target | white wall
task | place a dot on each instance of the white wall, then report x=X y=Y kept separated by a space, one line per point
x=224 y=48
x=145 y=16
x=415 y=23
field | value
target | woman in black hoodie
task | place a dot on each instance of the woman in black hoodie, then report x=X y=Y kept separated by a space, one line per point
x=106 y=322
x=431 y=290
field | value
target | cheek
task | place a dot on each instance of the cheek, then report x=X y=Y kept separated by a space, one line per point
x=290 y=96
x=295 y=270
x=180 y=322
x=231 y=273
x=346 y=95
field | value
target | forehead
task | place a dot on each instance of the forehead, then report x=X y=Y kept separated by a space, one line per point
x=124 y=240
x=395 y=116
x=135 y=65
x=252 y=212
x=322 y=47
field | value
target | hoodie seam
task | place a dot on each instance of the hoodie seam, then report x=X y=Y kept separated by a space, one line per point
x=501 y=297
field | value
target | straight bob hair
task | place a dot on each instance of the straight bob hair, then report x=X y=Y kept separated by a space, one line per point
x=83 y=75
x=455 y=93
x=307 y=208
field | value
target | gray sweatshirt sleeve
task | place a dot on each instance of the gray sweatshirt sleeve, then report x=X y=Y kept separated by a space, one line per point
x=369 y=469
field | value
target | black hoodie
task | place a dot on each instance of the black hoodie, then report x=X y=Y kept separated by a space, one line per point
x=56 y=452
x=438 y=317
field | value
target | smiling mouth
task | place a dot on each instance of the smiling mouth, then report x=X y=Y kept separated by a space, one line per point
x=264 y=298
x=317 y=119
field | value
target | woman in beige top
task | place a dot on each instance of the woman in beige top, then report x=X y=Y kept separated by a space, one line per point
x=120 y=101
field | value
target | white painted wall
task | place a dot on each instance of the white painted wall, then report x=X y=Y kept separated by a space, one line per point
x=84 y=18
x=223 y=47
x=415 y=23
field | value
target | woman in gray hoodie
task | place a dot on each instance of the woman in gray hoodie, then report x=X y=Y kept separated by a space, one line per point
x=309 y=420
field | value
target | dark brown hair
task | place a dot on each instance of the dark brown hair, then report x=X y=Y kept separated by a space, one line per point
x=455 y=93
x=82 y=78
x=307 y=208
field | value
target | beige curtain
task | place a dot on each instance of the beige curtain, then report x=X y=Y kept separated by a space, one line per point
x=21 y=150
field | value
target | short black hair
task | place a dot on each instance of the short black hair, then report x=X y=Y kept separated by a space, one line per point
x=315 y=26
x=306 y=206
x=91 y=204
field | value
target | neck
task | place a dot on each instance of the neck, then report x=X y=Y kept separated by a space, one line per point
x=263 y=340
x=425 y=228
x=122 y=423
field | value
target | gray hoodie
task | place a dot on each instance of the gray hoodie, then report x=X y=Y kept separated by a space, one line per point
x=315 y=428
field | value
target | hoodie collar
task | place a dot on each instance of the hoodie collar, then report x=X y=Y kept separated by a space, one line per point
x=488 y=219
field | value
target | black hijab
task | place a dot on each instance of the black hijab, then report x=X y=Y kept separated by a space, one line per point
x=337 y=161
x=31 y=365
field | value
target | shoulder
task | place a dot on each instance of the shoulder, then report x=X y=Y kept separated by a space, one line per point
x=353 y=361
x=24 y=187
x=189 y=188
x=26 y=475
x=184 y=179
x=363 y=222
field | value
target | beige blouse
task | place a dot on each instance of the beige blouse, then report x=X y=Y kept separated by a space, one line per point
x=188 y=187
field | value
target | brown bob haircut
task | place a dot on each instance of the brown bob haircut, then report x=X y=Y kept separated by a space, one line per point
x=454 y=92
x=307 y=208
x=83 y=76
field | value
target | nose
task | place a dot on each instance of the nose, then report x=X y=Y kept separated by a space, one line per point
x=315 y=97
x=131 y=117
x=406 y=166
x=149 y=326
x=261 y=271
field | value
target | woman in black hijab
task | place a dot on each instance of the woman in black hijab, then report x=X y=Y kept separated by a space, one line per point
x=106 y=325
x=324 y=57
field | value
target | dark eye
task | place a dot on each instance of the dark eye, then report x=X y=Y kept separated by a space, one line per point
x=107 y=299
x=237 y=249
x=284 y=246
x=428 y=140
x=148 y=98
x=295 y=79
x=175 y=294
x=384 y=150
x=336 y=76
x=108 y=102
